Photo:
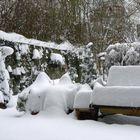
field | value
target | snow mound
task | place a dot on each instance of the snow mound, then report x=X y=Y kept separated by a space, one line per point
x=5 y=51
x=42 y=78
x=57 y=58
x=32 y=98
x=36 y=54
x=65 y=79
x=44 y=94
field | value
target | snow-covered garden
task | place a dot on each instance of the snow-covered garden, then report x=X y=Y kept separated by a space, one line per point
x=69 y=69
x=46 y=108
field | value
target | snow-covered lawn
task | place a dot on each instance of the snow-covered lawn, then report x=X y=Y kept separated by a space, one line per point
x=52 y=124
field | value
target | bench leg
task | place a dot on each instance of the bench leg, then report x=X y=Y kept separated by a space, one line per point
x=94 y=113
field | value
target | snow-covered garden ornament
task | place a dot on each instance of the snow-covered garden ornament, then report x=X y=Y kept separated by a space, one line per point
x=5 y=94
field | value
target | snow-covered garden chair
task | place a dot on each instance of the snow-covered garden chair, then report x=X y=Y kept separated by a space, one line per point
x=121 y=95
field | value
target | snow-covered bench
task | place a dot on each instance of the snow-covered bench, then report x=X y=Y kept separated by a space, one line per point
x=121 y=93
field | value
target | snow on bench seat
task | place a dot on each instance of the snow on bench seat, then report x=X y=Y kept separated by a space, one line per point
x=117 y=96
x=122 y=89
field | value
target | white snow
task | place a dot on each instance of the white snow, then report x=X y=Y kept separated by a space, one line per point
x=4 y=74
x=89 y=44
x=18 y=56
x=102 y=54
x=58 y=58
x=124 y=76
x=24 y=49
x=36 y=54
x=44 y=94
x=1 y=97
x=17 y=38
x=5 y=51
x=52 y=126
x=82 y=98
x=65 y=79
x=17 y=71
x=9 y=68
x=117 y=96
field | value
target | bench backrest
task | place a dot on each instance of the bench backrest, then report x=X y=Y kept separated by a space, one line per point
x=124 y=76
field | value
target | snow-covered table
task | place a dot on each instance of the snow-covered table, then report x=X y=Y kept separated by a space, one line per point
x=122 y=92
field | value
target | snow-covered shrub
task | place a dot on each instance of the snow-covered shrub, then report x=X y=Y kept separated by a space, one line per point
x=123 y=54
x=81 y=64
x=32 y=97
x=88 y=66
x=45 y=93
x=73 y=64
x=131 y=57
x=5 y=93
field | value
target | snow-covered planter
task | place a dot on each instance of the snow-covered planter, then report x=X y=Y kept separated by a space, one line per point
x=5 y=94
x=45 y=93
x=122 y=90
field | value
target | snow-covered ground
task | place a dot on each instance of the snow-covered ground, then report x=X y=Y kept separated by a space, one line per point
x=54 y=125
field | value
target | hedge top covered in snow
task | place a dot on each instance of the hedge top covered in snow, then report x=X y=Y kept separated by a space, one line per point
x=17 y=38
